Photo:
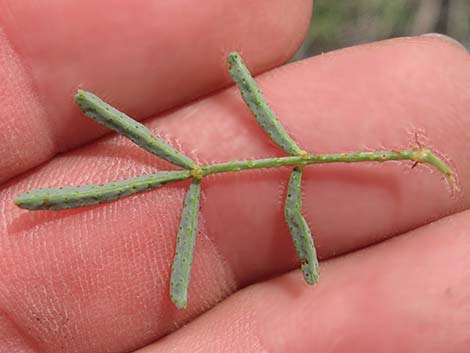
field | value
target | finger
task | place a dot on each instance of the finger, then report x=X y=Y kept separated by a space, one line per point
x=144 y=58
x=123 y=250
x=410 y=294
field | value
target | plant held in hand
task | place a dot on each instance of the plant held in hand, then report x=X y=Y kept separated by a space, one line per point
x=103 y=113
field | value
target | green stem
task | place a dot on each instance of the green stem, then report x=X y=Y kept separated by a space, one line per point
x=416 y=155
x=72 y=197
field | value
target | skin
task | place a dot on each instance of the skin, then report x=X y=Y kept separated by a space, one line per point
x=97 y=279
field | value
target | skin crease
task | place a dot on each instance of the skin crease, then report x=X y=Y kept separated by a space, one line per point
x=96 y=279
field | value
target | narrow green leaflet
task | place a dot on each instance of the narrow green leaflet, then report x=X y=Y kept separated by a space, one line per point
x=103 y=113
x=255 y=101
x=186 y=239
x=299 y=229
x=78 y=196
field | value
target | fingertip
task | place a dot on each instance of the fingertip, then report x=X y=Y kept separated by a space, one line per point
x=445 y=39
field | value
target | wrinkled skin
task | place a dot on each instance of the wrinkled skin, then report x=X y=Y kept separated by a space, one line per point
x=394 y=242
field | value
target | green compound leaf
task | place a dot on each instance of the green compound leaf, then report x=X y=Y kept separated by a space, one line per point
x=299 y=229
x=78 y=196
x=72 y=197
x=255 y=101
x=103 y=113
x=186 y=239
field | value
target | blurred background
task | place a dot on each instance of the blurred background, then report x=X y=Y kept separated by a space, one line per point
x=338 y=23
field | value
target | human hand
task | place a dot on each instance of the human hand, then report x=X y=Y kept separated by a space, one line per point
x=96 y=279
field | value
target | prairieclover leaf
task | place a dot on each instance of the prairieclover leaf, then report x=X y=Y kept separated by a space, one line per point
x=255 y=101
x=103 y=113
x=298 y=227
x=186 y=240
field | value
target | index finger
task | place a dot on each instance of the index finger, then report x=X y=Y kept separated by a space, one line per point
x=143 y=59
